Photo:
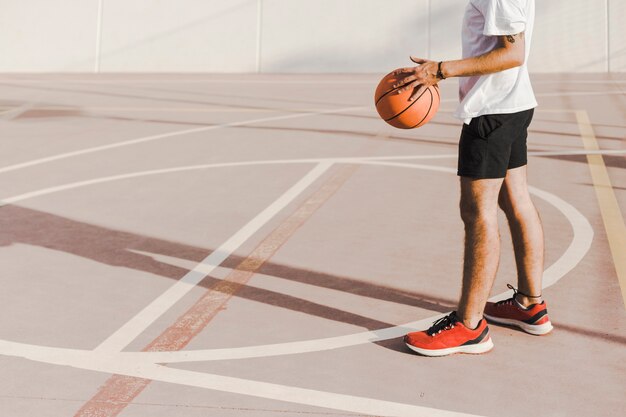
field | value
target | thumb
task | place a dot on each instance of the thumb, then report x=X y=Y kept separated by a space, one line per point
x=417 y=60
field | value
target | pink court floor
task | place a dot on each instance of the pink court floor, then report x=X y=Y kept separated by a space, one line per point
x=256 y=245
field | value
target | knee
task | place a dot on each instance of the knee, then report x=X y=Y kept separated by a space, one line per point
x=504 y=203
x=519 y=211
x=468 y=211
x=472 y=213
x=510 y=208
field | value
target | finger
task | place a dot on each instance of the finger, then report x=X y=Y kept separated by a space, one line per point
x=406 y=87
x=403 y=71
x=418 y=60
x=417 y=92
x=404 y=81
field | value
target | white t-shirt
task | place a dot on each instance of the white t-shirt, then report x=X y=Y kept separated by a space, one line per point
x=507 y=91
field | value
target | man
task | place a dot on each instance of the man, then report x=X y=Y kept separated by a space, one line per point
x=496 y=106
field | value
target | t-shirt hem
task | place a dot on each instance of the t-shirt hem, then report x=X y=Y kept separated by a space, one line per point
x=466 y=117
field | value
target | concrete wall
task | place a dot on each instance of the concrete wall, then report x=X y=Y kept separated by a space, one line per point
x=285 y=35
x=54 y=35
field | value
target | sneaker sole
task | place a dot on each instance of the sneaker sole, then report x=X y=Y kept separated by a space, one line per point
x=534 y=329
x=476 y=349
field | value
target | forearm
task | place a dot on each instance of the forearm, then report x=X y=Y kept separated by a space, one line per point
x=499 y=59
x=508 y=53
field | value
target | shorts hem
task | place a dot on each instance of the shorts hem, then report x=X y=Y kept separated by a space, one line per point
x=517 y=165
x=477 y=176
x=480 y=176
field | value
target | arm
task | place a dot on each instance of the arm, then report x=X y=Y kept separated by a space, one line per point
x=509 y=53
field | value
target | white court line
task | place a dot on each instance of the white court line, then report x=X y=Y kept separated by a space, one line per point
x=112 y=364
x=580 y=244
x=374 y=79
x=311 y=397
x=207 y=81
x=135 y=326
x=262 y=390
x=168 y=135
x=553 y=82
x=582 y=152
x=583 y=235
x=581 y=93
x=143 y=365
x=455 y=155
x=349 y=159
x=176 y=133
x=5 y=109
x=79 y=184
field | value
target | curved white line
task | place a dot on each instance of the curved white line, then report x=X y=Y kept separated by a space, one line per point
x=349 y=159
x=12 y=113
x=583 y=237
x=79 y=184
x=248 y=81
x=129 y=366
x=123 y=336
x=581 y=93
x=169 y=135
x=581 y=242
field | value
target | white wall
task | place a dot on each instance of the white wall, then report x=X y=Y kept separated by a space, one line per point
x=285 y=35
x=617 y=38
x=179 y=35
x=54 y=35
x=571 y=35
x=341 y=35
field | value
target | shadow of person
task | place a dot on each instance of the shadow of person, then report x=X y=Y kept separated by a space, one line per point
x=120 y=248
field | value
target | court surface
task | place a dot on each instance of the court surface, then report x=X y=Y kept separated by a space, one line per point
x=256 y=245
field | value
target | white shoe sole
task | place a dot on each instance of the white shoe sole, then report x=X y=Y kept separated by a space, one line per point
x=482 y=347
x=535 y=329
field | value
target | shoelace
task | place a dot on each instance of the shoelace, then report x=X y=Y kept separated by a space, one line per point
x=444 y=323
x=515 y=292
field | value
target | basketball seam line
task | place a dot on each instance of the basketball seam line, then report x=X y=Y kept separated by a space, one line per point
x=432 y=99
x=409 y=106
x=388 y=92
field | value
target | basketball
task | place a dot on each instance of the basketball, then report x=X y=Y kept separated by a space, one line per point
x=398 y=111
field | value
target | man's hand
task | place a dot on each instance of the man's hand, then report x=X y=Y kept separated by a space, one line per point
x=417 y=78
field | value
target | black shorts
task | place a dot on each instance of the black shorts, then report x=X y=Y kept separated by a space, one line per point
x=493 y=143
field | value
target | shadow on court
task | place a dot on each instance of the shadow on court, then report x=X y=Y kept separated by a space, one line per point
x=115 y=248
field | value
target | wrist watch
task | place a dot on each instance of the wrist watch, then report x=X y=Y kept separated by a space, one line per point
x=439 y=73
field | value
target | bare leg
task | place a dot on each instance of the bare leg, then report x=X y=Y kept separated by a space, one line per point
x=479 y=211
x=526 y=232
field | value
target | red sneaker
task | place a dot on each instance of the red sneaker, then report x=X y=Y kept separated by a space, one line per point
x=532 y=319
x=448 y=335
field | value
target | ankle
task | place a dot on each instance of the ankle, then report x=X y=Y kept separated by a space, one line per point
x=470 y=322
x=527 y=301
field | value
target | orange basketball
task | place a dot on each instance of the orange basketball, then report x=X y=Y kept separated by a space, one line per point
x=398 y=111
